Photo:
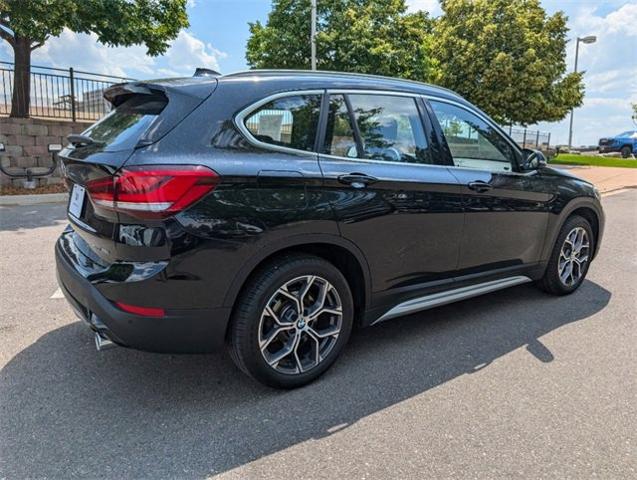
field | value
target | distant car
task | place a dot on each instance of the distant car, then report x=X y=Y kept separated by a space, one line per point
x=625 y=142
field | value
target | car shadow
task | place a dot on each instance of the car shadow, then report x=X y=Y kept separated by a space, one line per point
x=66 y=410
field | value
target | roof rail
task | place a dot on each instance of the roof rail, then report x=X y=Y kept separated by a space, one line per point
x=333 y=72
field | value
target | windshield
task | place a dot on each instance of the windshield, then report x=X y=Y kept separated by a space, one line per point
x=125 y=125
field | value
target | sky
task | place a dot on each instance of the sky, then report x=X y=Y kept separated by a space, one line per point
x=219 y=31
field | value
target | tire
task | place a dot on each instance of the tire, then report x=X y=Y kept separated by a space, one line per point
x=258 y=336
x=557 y=269
x=626 y=151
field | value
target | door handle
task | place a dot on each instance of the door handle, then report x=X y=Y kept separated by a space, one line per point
x=480 y=186
x=357 y=180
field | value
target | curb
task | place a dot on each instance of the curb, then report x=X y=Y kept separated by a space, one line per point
x=13 y=200
x=612 y=191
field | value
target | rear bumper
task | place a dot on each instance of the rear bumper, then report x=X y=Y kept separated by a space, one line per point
x=180 y=331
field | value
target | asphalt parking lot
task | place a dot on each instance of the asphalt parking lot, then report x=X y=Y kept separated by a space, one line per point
x=516 y=383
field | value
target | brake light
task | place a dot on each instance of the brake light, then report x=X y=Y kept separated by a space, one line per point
x=143 y=311
x=153 y=191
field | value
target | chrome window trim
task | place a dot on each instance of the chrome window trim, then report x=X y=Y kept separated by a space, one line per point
x=382 y=162
x=353 y=91
x=239 y=121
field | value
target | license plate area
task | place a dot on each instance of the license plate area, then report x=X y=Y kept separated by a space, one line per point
x=76 y=202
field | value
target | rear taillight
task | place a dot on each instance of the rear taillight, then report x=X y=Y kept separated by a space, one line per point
x=153 y=191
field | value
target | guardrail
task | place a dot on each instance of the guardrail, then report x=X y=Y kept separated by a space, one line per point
x=60 y=93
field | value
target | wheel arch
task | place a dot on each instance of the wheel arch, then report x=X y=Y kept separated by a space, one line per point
x=338 y=251
x=590 y=215
x=585 y=207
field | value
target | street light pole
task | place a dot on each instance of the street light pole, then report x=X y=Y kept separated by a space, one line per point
x=313 y=34
x=588 y=39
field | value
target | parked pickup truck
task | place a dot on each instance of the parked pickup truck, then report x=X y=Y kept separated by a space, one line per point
x=625 y=142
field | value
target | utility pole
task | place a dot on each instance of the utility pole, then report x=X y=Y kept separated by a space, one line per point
x=588 y=39
x=313 y=34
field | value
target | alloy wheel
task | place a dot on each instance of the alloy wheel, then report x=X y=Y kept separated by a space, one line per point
x=300 y=324
x=574 y=256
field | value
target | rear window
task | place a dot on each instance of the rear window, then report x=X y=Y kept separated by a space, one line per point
x=126 y=124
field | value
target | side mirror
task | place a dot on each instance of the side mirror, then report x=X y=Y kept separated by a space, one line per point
x=55 y=147
x=532 y=159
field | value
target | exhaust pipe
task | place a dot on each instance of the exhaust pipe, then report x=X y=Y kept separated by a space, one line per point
x=103 y=343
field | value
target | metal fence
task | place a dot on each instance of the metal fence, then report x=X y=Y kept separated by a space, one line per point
x=534 y=139
x=60 y=93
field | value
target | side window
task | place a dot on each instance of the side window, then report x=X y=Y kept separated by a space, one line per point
x=339 y=136
x=288 y=121
x=390 y=128
x=472 y=141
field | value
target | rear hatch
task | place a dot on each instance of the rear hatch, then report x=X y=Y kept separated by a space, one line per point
x=143 y=113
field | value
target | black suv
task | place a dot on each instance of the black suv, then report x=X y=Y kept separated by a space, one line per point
x=272 y=211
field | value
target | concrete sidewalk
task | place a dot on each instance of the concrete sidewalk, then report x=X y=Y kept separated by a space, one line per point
x=606 y=179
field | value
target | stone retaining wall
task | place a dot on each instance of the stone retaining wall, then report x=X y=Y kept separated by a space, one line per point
x=26 y=141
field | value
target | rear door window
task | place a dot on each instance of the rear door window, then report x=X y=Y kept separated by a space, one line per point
x=390 y=128
x=289 y=122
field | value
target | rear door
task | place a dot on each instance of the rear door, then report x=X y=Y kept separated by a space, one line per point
x=506 y=210
x=389 y=196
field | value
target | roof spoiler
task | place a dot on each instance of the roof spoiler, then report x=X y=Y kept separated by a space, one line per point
x=180 y=95
x=120 y=92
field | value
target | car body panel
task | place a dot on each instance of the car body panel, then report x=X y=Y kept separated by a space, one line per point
x=504 y=226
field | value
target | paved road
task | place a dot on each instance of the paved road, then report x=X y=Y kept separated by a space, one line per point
x=511 y=384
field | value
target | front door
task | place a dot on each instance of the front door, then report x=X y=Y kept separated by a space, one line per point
x=506 y=212
x=389 y=196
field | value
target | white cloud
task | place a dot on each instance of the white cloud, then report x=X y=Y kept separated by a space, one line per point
x=83 y=52
x=188 y=52
x=431 y=6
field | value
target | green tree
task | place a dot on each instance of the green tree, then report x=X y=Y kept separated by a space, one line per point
x=507 y=57
x=634 y=117
x=27 y=24
x=364 y=36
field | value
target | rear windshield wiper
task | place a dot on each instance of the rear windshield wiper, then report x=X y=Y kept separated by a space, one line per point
x=78 y=140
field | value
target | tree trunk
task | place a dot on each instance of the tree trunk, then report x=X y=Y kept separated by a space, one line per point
x=21 y=77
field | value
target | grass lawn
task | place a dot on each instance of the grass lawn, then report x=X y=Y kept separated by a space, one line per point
x=567 y=159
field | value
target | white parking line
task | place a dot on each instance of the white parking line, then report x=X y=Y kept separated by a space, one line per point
x=57 y=294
